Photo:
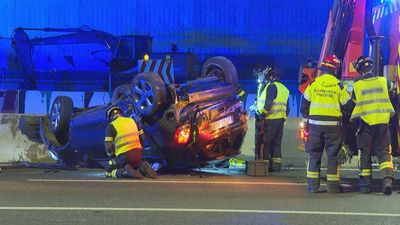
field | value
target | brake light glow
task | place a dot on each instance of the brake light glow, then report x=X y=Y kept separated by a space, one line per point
x=303 y=134
x=182 y=134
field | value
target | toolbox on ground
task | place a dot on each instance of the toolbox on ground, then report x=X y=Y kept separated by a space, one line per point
x=257 y=167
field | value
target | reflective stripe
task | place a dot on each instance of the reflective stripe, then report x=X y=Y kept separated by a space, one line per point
x=279 y=104
x=141 y=131
x=326 y=123
x=374 y=90
x=133 y=134
x=109 y=139
x=114 y=173
x=325 y=106
x=372 y=112
x=306 y=97
x=366 y=102
x=314 y=175
x=133 y=143
x=332 y=177
x=366 y=172
x=264 y=111
x=275 y=111
x=276 y=160
x=386 y=165
x=311 y=174
x=348 y=98
x=111 y=162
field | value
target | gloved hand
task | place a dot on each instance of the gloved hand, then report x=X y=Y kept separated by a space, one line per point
x=253 y=108
x=344 y=155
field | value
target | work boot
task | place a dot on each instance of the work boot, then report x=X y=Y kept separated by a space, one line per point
x=334 y=187
x=147 y=170
x=387 y=185
x=312 y=189
x=111 y=173
x=364 y=184
x=107 y=174
x=136 y=174
x=129 y=172
x=276 y=167
x=364 y=189
x=313 y=185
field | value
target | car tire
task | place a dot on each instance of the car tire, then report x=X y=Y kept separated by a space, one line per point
x=149 y=93
x=221 y=67
x=60 y=116
x=122 y=92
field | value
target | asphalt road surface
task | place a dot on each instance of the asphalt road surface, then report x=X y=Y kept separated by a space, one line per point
x=220 y=196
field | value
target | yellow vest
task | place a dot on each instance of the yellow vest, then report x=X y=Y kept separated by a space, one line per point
x=373 y=105
x=278 y=109
x=279 y=105
x=127 y=137
x=261 y=95
x=326 y=96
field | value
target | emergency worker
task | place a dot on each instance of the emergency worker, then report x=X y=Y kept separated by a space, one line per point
x=322 y=105
x=123 y=143
x=272 y=108
x=372 y=112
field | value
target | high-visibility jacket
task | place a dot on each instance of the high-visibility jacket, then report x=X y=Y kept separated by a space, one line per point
x=127 y=137
x=279 y=105
x=326 y=96
x=261 y=96
x=373 y=105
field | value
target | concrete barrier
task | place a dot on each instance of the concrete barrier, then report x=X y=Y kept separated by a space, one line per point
x=19 y=140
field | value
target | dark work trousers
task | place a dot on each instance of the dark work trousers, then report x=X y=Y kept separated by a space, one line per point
x=121 y=165
x=273 y=132
x=323 y=137
x=374 y=139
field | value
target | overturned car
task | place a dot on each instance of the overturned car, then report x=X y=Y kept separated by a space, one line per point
x=185 y=124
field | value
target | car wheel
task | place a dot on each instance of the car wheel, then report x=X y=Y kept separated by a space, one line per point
x=122 y=92
x=222 y=68
x=60 y=115
x=149 y=93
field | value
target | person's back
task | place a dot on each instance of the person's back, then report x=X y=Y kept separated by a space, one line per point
x=373 y=105
x=127 y=135
x=372 y=113
x=123 y=144
x=321 y=108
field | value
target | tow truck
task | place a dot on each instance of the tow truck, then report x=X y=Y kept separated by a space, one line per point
x=349 y=21
x=75 y=59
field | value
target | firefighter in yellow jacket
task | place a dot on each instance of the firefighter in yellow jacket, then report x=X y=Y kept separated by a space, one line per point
x=272 y=107
x=123 y=143
x=322 y=107
x=372 y=112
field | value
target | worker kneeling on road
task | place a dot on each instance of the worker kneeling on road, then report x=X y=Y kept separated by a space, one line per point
x=322 y=106
x=372 y=112
x=123 y=144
